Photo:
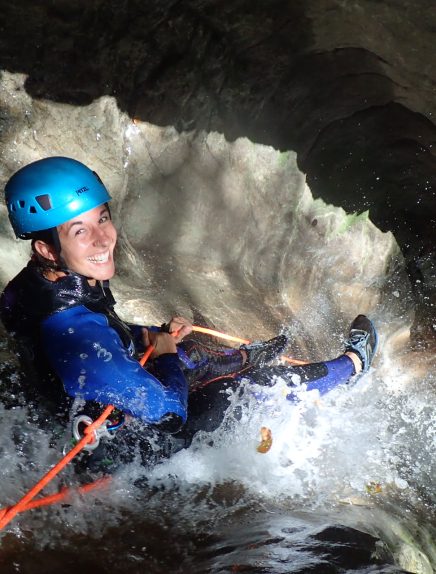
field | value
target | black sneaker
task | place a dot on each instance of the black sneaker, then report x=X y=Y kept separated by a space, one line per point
x=262 y=353
x=362 y=340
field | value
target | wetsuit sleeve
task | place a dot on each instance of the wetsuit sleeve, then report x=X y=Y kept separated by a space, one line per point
x=89 y=357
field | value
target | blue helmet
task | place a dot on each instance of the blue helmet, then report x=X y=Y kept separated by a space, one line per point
x=51 y=191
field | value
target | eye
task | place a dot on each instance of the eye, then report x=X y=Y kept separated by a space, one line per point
x=103 y=219
x=79 y=232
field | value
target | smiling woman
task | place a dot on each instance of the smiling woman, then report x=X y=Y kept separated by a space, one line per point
x=62 y=206
x=61 y=311
x=62 y=306
x=87 y=245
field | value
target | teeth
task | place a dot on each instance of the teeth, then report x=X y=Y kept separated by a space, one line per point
x=99 y=258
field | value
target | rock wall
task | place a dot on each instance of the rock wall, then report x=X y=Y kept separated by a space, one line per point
x=227 y=233
x=348 y=86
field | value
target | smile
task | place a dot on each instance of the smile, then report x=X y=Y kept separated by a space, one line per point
x=99 y=257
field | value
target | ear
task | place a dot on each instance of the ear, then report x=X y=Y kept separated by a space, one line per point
x=45 y=250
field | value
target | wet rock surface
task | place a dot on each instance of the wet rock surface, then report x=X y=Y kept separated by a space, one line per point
x=348 y=86
x=207 y=119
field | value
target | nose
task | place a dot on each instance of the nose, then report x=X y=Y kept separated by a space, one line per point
x=100 y=237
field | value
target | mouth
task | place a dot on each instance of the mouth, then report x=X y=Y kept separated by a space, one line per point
x=99 y=257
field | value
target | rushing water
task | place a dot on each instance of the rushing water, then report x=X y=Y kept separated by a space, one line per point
x=230 y=235
x=348 y=485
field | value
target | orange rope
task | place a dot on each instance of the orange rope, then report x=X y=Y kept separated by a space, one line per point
x=60 y=496
x=293 y=361
x=22 y=503
x=146 y=355
x=27 y=502
x=220 y=335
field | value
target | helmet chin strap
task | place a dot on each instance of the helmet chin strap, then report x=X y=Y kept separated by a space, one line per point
x=61 y=265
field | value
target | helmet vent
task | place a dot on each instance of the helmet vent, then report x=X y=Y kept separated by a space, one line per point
x=21 y=203
x=98 y=177
x=32 y=209
x=44 y=201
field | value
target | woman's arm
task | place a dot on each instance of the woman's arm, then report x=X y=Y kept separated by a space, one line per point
x=89 y=357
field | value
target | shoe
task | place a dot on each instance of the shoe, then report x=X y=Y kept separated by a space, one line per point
x=261 y=353
x=362 y=340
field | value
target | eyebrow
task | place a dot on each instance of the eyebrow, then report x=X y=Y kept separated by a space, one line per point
x=71 y=225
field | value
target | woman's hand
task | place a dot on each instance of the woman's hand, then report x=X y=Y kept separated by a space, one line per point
x=179 y=327
x=162 y=342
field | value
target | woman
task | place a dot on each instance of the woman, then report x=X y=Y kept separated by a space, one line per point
x=61 y=308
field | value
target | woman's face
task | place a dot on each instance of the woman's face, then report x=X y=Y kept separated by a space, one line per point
x=88 y=242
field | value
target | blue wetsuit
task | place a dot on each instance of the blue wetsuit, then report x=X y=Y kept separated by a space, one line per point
x=81 y=349
x=88 y=355
x=70 y=330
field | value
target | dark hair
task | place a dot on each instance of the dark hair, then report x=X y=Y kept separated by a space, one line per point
x=49 y=236
x=46 y=235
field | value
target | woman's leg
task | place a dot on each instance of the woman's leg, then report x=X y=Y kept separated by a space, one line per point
x=203 y=364
x=360 y=348
x=323 y=376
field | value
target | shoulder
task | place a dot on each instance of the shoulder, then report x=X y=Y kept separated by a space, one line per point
x=77 y=330
x=78 y=316
x=19 y=300
x=20 y=281
x=76 y=333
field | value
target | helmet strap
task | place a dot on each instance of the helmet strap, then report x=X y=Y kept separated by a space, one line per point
x=56 y=242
